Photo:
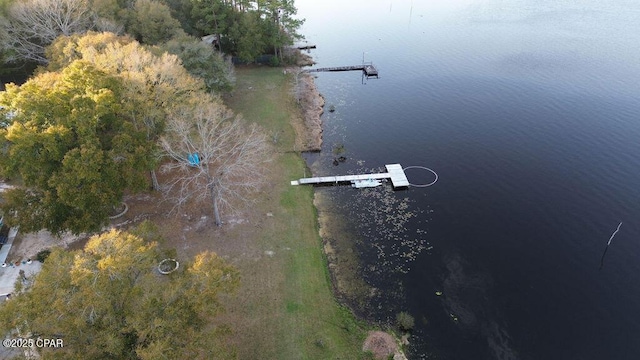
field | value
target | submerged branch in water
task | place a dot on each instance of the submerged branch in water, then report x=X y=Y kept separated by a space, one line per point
x=609 y=243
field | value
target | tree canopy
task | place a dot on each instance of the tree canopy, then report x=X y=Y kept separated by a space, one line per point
x=247 y=28
x=151 y=22
x=243 y=28
x=153 y=80
x=108 y=301
x=202 y=61
x=70 y=144
x=31 y=25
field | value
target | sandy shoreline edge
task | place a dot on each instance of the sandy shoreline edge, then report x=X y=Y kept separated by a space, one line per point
x=313 y=108
x=311 y=103
x=348 y=289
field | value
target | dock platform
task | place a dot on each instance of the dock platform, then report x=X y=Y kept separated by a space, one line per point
x=394 y=172
x=369 y=70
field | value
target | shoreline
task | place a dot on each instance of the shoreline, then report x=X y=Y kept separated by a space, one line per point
x=342 y=261
x=313 y=108
x=311 y=103
x=349 y=289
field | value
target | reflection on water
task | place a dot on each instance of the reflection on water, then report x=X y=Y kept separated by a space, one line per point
x=466 y=294
x=528 y=111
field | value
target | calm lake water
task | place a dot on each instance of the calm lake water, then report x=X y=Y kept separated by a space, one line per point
x=529 y=111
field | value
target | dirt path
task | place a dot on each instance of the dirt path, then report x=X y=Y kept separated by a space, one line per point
x=26 y=246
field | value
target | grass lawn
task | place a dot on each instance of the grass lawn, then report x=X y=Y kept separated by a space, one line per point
x=285 y=307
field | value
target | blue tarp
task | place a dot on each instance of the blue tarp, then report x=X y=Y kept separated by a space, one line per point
x=194 y=159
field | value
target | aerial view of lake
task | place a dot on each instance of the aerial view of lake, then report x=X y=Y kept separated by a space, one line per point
x=529 y=112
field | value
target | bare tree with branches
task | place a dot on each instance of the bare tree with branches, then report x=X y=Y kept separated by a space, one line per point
x=216 y=156
x=32 y=25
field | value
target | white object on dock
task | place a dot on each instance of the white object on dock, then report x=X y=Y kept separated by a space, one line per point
x=365 y=183
x=394 y=172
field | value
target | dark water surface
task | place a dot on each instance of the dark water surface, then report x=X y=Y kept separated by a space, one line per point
x=530 y=113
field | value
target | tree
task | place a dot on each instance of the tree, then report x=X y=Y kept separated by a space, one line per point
x=152 y=22
x=202 y=61
x=4 y=53
x=181 y=10
x=152 y=83
x=109 y=15
x=108 y=301
x=218 y=157
x=73 y=149
x=248 y=28
x=210 y=17
x=67 y=49
x=31 y=25
x=281 y=28
x=247 y=37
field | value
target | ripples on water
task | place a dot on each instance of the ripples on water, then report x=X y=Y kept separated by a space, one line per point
x=529 y=112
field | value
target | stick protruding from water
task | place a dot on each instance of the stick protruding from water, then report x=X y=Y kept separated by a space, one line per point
x=609 y=243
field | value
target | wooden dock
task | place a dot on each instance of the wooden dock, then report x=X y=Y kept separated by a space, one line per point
x=394 y=172
x=369 y=70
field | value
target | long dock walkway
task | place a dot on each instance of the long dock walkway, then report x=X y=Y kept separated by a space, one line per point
x=394 y=172
x=368 y=69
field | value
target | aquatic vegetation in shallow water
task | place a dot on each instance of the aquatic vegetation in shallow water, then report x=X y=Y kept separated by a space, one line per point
x=384 y=219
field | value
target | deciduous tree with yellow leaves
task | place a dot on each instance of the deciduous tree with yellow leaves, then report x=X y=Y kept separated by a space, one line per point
x=109 y=301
